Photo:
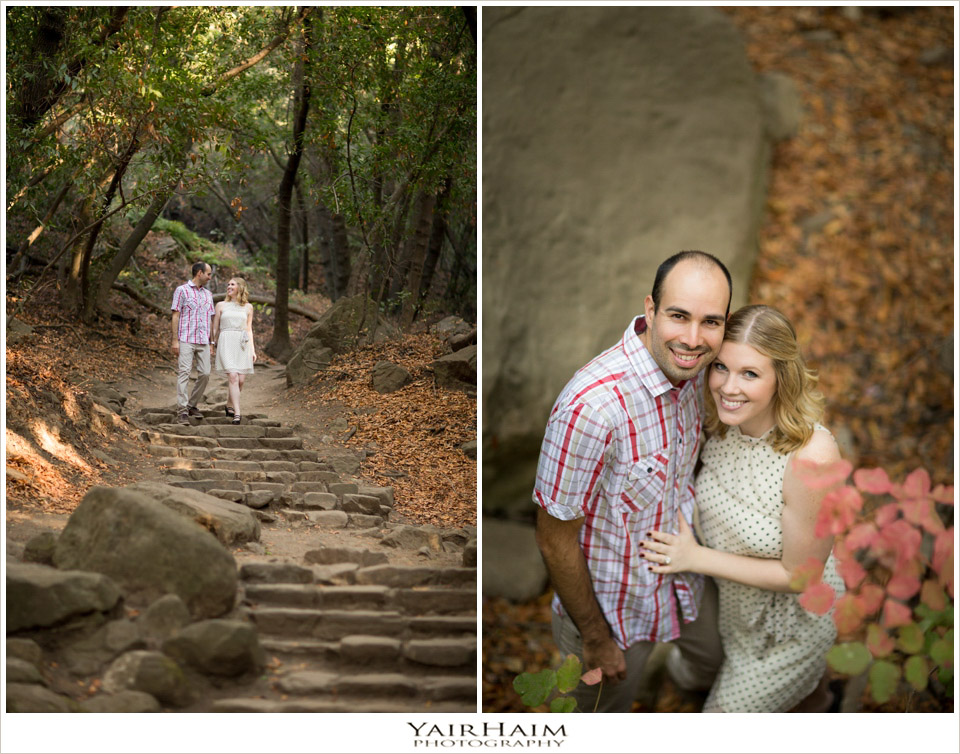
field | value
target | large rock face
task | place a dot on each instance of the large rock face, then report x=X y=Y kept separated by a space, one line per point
x=613 y=138
x=149 y=551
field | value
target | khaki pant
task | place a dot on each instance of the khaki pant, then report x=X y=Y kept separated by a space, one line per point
x=190 y=352
x=701 y=655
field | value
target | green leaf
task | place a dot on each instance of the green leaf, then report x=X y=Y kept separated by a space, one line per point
x=568 y=674
x=884 y=677
x=910 y=638
x=917 y=672
x=563 y=704
x=850 y=658
x=941 y=652
x=534 y=688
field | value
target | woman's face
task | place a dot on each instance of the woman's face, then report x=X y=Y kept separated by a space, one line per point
x=743 y=384
x=232 y=289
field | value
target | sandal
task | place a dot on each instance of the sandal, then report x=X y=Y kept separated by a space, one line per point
x=236 y=419
x=229 y=412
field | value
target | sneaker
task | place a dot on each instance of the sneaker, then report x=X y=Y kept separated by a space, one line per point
x=194 y=411
x=183 y=418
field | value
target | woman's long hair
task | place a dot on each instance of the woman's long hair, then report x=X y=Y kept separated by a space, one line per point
x=797 y=402
x=242 y=295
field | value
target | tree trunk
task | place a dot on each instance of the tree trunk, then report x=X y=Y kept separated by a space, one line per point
x=418 y=253
x=279 y=346
x=303 y=279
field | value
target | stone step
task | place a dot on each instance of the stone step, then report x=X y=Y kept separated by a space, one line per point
x=263 y=572
x=437 y=601
x=426 y=688
x=344 y=705
x=327 y=624
x=413 y=656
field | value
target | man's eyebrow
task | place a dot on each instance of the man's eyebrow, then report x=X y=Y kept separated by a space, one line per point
x=685 y=313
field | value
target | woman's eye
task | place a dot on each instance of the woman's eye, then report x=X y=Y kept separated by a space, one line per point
x=751 y=375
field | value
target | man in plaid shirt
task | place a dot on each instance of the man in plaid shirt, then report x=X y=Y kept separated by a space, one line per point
x=617 y=462
x=192 y=316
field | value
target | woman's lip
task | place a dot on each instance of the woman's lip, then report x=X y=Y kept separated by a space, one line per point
x=724 y=403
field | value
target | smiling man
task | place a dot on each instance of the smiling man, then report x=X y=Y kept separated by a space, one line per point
x=617 y=461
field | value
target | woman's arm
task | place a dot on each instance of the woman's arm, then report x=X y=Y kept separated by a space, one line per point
x=215 y=330
x=250 y=329
x=800 y=508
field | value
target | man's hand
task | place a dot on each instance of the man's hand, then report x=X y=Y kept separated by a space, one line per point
x=606 y=655
x=175 y=346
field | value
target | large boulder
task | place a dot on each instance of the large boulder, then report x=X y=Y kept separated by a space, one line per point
x=599 y=161
x=151 y=673
x=512 y=565
x=39 y=596
x=349 y=323
x=229 y=522
x=457 y=370
x=387 y=377
x=32 y=697
x=407 y=537
x=218 y=647
x=87 y=656
x=149 y=550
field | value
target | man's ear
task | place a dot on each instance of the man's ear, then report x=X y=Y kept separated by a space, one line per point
x=648 y=308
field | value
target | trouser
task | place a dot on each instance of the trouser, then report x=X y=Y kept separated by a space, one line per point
x=188 y=353
x=701 y=655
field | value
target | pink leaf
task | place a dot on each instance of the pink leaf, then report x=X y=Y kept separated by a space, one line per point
x=895 y=614
x=943 y=494
x=851 y=572
x=942 y=560
x=872 y=481
x=871 y=597
x=897 y=544
x=848 y=613
x=903 y=586
x=820 y=476
x=860 y=536
x=817 y=598
x=917 y=484
x=592 y=677
x=878 y=641
x=887 y=514
x=838 y=510
x=932 y=595
x=806 y=574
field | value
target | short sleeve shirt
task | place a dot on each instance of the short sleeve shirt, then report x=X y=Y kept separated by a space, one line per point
x=196 y=308
x=619 y=451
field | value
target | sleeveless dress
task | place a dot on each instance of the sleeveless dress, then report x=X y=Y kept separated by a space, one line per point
x=774 y=649
x=234 y=351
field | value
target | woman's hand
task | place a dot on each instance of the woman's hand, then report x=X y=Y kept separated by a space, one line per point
x=254 y=355
x=672 y=553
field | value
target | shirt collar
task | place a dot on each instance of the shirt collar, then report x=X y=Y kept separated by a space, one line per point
x=647 y=370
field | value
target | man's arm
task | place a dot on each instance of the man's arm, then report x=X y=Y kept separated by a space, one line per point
x=175 y=345
x=559 y=544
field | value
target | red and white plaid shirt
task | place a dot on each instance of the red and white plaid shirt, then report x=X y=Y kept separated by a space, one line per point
x=619 y=450
x=196 y=308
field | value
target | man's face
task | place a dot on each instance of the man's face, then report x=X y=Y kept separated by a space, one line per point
x=204 y=277
x=685 y=333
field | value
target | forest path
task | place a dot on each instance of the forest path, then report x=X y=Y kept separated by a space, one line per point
x=362 y=627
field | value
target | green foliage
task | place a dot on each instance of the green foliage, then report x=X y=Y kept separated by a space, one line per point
x=897 y=563
x=536 y=688
x=188 y=240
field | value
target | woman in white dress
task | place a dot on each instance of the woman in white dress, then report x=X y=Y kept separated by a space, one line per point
x=756 y=519
x=233 y=336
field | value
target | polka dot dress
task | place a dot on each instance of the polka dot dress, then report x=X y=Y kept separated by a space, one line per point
x=774 y=648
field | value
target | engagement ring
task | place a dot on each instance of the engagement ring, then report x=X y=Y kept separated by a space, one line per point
x=666 y=560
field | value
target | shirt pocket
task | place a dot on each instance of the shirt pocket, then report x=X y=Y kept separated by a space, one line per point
x=644 y=483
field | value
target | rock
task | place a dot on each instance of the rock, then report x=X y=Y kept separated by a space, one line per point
x=163 y=618
x=24 y=649
x=470 y=449
x=275 y=573
x=218 y=647
x=320 y=501
x=458 y=537
x=387 y=377
x=451 y=326
x=339 y=330
x=425 y=552
x=31 y=697
x=561 y=278
x=470 y=554
x=17 y=330
x=333 y=519
x=413 y=538
x=334 y=555
x=39 y=549
x=361 y=504
x=149 y=550
x=124 y=701
x=512 y=566
x=40 y=597
x=152 y=673
x=87 y=656
x=457 y=370
x=21 y=671
x=384 y=494
x=231 y=523
x=782 y=105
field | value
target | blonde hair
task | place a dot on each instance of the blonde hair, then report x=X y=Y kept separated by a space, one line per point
x=242 y=295
x=797 y=402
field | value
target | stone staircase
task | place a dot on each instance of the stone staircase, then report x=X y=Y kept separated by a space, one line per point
x=349 y=631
